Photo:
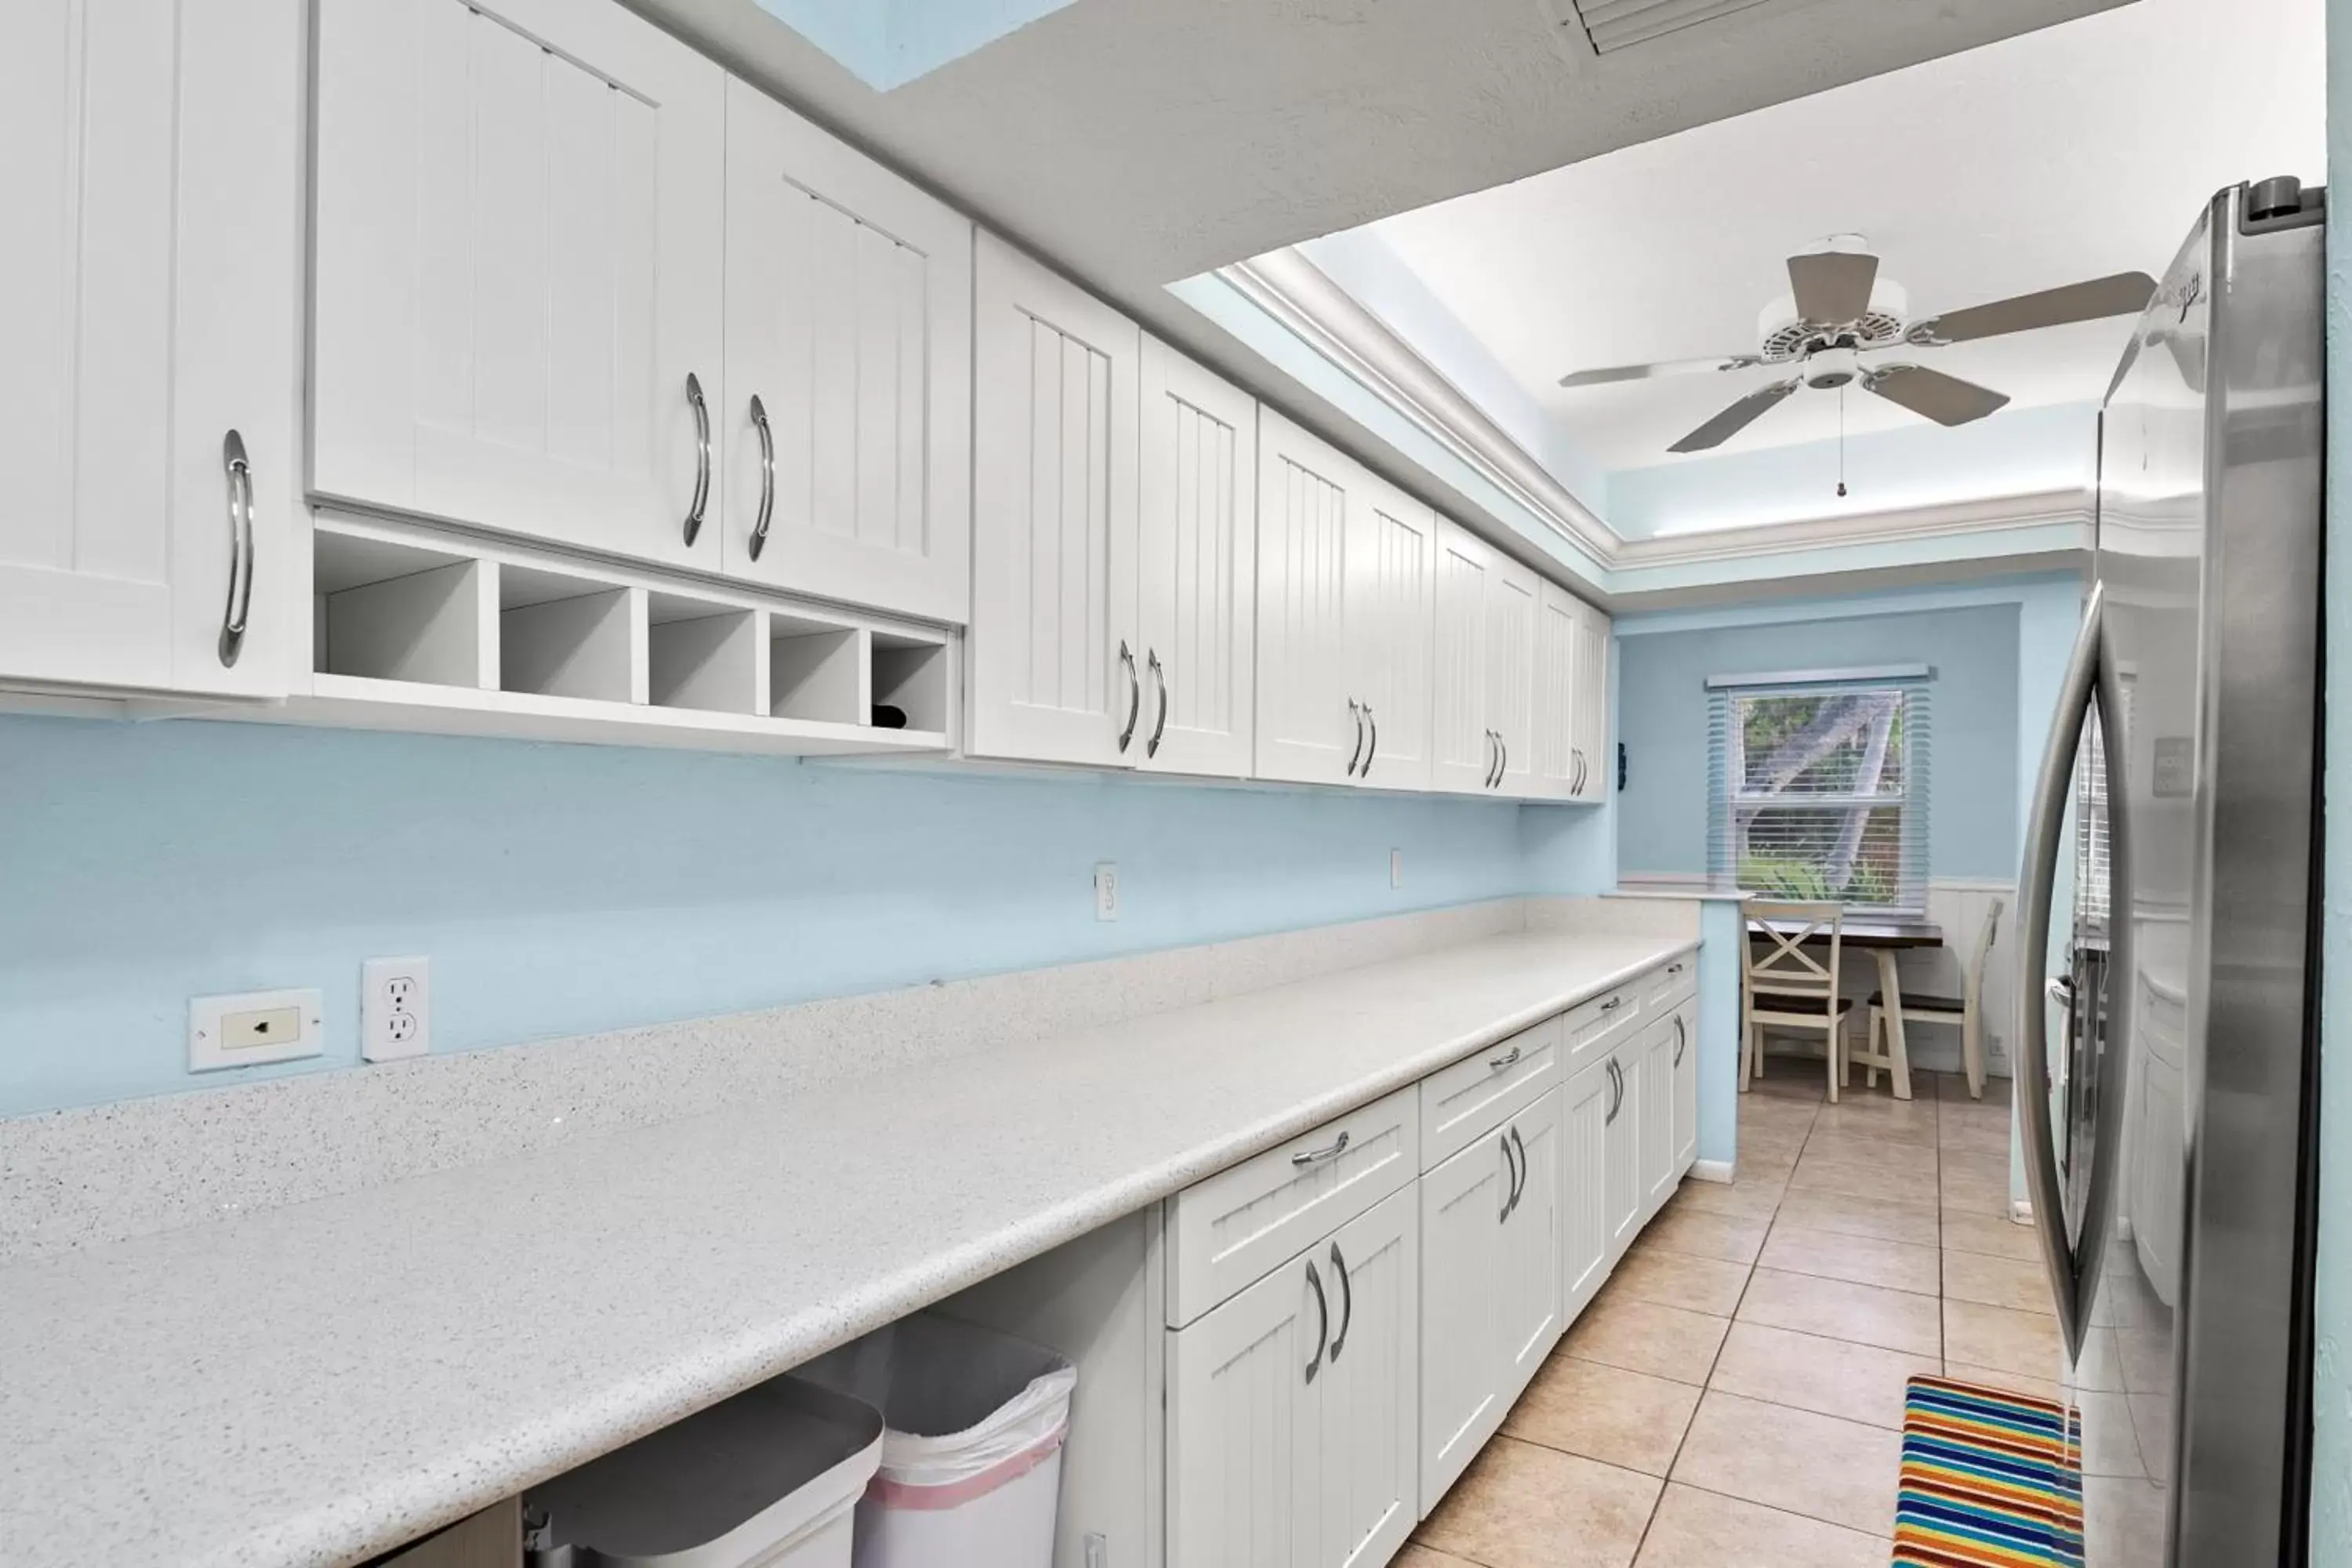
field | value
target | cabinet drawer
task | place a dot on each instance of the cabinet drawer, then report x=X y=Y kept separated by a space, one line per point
x=1667 y=987
x=1592 y=1030
x=1228 y=1231
x=1461 y=1103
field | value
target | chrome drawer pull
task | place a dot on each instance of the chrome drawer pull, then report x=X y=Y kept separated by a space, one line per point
x=1612 y=1004
x=1509 y=1058
x=1316 y=1156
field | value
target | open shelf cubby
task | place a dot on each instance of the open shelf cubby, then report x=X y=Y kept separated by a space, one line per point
x=910 y=674
x=561 y=635
x=394 y=611
x=701 y=654
x=815 y=669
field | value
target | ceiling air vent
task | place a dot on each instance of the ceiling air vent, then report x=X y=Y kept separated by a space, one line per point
x=1614 y=24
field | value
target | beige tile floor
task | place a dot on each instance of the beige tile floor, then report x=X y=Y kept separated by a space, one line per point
x=1734 y=1397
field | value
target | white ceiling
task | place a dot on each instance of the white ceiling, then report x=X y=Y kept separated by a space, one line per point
x=2067 y=153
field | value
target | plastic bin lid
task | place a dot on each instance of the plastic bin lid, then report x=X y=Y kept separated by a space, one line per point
x=694 y=1483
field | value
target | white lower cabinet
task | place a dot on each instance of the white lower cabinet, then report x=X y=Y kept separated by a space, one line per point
x=1587 y=1102
x=1291 y=1409
x=1491 y=1286
x=1620 y=1182
x=1686 y=1058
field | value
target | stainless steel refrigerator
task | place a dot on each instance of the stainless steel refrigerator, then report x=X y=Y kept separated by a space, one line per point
x=2170 y=889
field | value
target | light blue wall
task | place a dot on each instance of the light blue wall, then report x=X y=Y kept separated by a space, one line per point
x=1972 y=811
x=2331 y=1479
x=565 y=889
x=2018 y=451
x=888 y=43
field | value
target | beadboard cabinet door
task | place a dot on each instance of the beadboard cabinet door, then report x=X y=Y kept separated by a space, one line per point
x=1559 y=617
x=849 y=322
x=1367 y=1452
x=1053 y=654
x=1622 y=1157
x=1242 y=1476
x=520 y=272
x=1685 y=1025
x=1310 y=728
x=1462 y=1219
x=1531 y=1286
x=1196 y=570
x=1512 y=593
x=1462 y=737
x=1596 y=759
x=1656 y=1137
x=150 y=377
x=1391 y=618
x=1586 y=1102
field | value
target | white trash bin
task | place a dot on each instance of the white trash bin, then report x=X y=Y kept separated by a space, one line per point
x=769 y=1479
x=972 y=1451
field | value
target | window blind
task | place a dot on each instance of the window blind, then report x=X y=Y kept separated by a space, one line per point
x=1819 y=787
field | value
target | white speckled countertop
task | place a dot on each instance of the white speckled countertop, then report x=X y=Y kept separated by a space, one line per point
x=319 y=1383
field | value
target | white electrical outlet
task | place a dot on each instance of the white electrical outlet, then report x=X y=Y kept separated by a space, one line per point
x=1105 y=890
x=1396 y=867
x=395 y=1008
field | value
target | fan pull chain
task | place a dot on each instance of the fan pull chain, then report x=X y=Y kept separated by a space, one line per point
x=1841 y=443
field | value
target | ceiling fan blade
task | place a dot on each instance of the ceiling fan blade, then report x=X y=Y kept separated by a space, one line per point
x=2124 y=294
x=1946 y=399
x=1832 y=286
x=1735 y=418
x=1652 y=371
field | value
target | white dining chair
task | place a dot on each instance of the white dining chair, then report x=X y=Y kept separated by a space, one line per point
x=1787 y=989
x=1965 y=1010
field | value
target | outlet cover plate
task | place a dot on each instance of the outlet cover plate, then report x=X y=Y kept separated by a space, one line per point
x=395 y=1008
x=1107 y=890
x=255 y=1026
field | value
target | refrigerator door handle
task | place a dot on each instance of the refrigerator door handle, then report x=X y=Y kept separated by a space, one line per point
x=2073 y=1263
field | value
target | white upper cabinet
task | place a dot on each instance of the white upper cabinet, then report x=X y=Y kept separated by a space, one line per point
x=1391 y=608
x=1055 y=649
x=1595 y=758
x=519 y=244
x=1512 y=596
x=1310 y=724
x=1557 y=619
x=1196 y=570
x=150 y=166
x=1463 y=739
x=847 y=390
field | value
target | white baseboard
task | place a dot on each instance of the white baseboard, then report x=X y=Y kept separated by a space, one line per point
x=2022 y=1211
x=1711 y=1170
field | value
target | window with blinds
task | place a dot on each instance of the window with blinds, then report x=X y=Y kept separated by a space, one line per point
x=1819 y=787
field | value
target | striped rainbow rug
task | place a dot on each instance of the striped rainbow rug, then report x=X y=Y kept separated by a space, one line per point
x=1991 y=1479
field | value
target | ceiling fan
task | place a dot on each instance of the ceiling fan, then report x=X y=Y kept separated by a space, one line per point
x=1840 y=309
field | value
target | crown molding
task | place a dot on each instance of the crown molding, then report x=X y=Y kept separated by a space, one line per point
x=1303 y=298
x=1991 y=514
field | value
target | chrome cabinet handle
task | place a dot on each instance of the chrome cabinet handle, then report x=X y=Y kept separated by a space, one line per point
x=1617 y=1094
x=1356 y=712
x=1682 y=1038
x=1159 y=679
x=1510 y=1175
x=701 y=456
x=239 y=471
x=1612 y=1004
x=1330 y=1150
x=1134 y=695
x=1373 y=750
x=1503 y=769
x=1519 y=1192
x=1347 y=1303
x=1323 y=1311
x=1676 y=966
x=1495 y=770
x=1575 y=771
x=1509 y=1058
x=767 y=476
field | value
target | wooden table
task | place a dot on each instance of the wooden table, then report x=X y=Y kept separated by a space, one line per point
x=1884 y=939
